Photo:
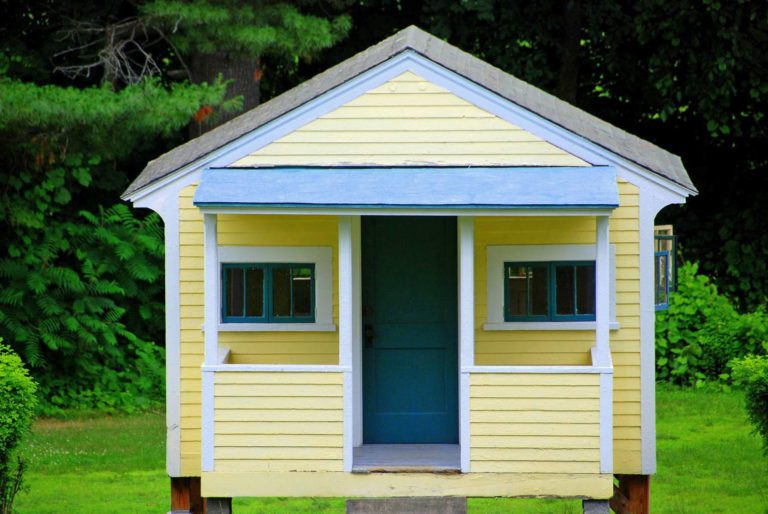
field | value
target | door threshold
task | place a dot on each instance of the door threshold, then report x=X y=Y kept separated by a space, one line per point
x=407 y=458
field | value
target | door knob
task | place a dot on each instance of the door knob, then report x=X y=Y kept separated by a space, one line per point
x=368 y=336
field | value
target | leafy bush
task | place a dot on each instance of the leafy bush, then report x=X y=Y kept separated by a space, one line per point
x=751 y=372
x=17 y=406
x=702 y=332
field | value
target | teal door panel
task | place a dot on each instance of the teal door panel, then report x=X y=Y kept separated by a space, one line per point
x=410 y=361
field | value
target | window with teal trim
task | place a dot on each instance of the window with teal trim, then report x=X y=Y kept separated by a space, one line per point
x=268 y=293
x=549 y=291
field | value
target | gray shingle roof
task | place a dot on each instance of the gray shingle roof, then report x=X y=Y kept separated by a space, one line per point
x=639 y=151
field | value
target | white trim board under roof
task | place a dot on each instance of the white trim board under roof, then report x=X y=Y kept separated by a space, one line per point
x=414 y=50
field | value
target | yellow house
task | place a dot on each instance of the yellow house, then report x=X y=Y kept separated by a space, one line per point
x=413 y=275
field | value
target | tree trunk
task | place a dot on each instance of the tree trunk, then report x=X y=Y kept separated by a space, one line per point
x=244 y=76
x=570 y=43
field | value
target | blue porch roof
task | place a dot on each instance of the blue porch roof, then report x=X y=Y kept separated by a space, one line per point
x=411 y=187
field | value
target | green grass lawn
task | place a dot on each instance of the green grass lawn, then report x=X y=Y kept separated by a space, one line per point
x=708 y=463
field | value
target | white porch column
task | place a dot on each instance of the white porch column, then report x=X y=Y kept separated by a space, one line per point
x=211 y=327
x=603 y=285
x=602 y=355
x=350 y=358
x=466 y=250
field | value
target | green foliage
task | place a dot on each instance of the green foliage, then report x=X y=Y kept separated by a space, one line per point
x=259 y=28
x=702 y=332
x=18 y=397
x=751 y=372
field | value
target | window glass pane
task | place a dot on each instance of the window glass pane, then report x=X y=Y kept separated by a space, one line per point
x=301 y=279
x=254 y=294
x=517 y=290
x=281 y=292
x=564 y=290
x=585 y=289
x=539 y=293
x=234 y=285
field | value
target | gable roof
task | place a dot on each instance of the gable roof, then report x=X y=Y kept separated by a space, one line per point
x=639 y=151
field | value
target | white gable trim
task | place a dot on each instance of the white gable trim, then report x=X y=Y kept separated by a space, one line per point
x=435 y=73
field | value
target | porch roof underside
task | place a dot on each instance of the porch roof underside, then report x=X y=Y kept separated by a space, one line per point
x=411 y=187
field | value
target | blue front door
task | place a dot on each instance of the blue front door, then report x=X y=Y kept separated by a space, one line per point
x=410 y=362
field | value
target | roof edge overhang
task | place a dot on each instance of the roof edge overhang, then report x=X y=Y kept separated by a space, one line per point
x=189 y=156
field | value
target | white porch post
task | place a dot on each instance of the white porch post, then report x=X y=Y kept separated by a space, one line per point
x=603 y=286
x=466 y=250
x=349 y=332
x=210 y=325
x=602 y=355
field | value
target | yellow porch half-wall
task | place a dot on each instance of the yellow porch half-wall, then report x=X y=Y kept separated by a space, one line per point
x=245 y=347
x=564 y=347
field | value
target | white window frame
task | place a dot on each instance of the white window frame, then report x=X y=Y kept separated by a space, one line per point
x=497 y=255
x=320 y=256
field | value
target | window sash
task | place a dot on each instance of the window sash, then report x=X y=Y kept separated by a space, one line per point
x=551 y=282
x=267 y=293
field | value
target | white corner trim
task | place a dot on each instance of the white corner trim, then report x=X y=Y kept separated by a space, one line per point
x=606 y=423
x=546 y=325
x=321 y=256
x=357 y=340
x=277 y=327
x=207 y=420
x=166 y=204
x=275 y=368
x=497 y=255
x=652 y=200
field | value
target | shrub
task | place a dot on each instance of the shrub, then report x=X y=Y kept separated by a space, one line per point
x=702 y=332
x=17 y=405
x=751 y=372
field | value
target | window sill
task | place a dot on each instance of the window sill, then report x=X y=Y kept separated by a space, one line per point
x=277 y=327
x=547 y=325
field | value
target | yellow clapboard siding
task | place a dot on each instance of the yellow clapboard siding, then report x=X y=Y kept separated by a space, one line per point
x=510 y=455
x=534 y=379
x=517 y=391
x=240 y=390
x=565 y=427
x=225 y=465
x=264 y=419
x=309 y=402
x=565 y=466
x=303 y=427
x=395 y=159
x=265 y=377
x=519 y=418
x=297 y=453
x=380 y=120
x=414 y=148
x=410 y=135
x=536 y=442
x=278 y=415
x=534 y=359
x=283 y=358
x=505 y=411
x=278 y=440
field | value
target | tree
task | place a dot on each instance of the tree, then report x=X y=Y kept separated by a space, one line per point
x=89 y=92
